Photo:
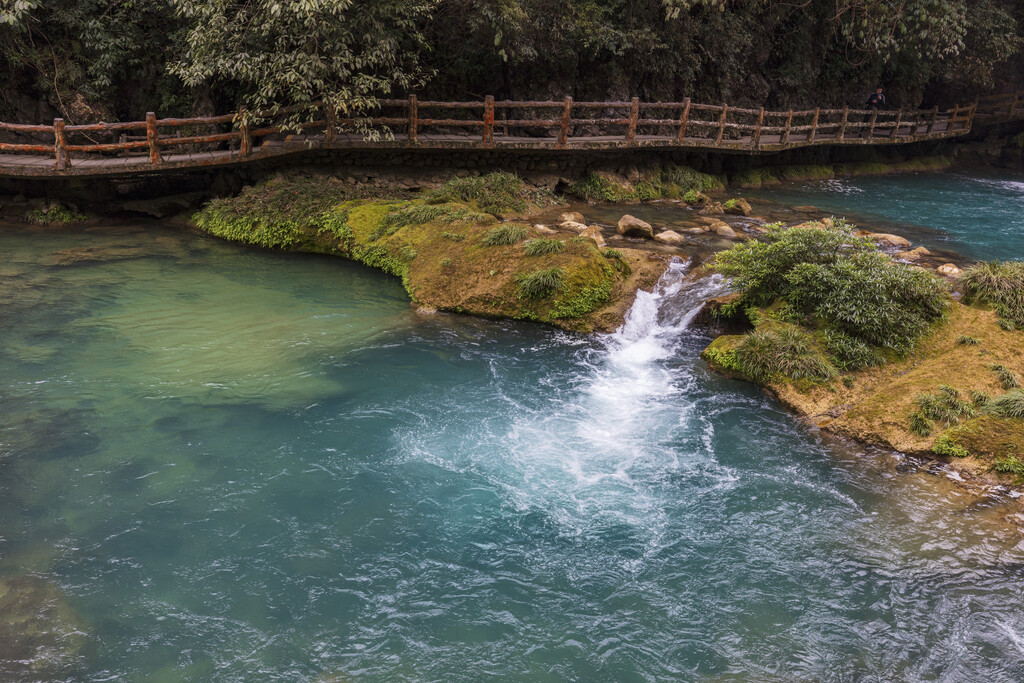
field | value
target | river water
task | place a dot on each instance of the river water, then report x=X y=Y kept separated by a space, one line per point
x=224 y=464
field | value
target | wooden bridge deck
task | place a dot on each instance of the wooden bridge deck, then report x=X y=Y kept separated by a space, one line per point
x=232 y=139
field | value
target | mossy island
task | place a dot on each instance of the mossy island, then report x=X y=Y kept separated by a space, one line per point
x=877 y=350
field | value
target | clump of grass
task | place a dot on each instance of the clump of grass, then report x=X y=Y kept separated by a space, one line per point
x=540 y=283
x=418 y=214
x=580 y=239
x=787 y=352
x=1010 y=404
x=612 y=253
x=1007 y=377
x=999 y=284
x=947 y=447
x=946 y=407
x=503 y=235
x=964 y=340
x=495 y=193
x=848 y=381
x=541 y=246
x=408 y=253
x=453 y=236
x=920 y=424
x=446 y=263
x=850 y=353
x=979 y=398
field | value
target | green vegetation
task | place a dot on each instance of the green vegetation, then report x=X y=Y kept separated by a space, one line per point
x=1010 y=404
x=788 y=352
x=1010 y=464
x=919 y=424
x=945 y=446
x=494 y=193
x=503 y=235
x=540 y=283
x=1007 y=377
x=980 y=399
x=855 y=305
x=542 y=246
x=965 y=340
x=1000 y=285
x=665 y=182
x=946 y=406
x=56 y=214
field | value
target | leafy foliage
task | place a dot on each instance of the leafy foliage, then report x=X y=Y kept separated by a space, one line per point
x=945 y=446
x=841 y=283
x=946 y=406
x=495 y=193
x=1007 y=377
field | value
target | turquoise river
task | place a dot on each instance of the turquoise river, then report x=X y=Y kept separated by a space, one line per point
x=224 y=464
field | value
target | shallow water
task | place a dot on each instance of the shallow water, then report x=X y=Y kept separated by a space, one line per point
x=237 y=465
x=978 y=215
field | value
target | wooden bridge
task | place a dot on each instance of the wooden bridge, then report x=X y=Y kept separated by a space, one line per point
x=155 y=145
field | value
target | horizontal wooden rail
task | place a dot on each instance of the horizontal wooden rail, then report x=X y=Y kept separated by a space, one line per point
x=519 y=124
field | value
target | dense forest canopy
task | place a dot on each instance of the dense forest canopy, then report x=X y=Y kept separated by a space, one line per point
x=89 y=60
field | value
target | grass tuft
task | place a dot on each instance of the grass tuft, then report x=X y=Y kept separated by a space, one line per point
x=964 y=340
x=540 y=284
x=542 y=246
x=787 y=352
x=494 y=193
x=946 y=407
x=1007 y=377
x=920 y=424
x=504 y=235
x=999 y=284
x=1010 y=404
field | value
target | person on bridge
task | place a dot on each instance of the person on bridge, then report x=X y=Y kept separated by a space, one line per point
x=876 y=101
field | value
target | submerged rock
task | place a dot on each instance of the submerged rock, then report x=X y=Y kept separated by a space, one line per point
x=572 y=225
x=738 y=207
x=724 y=230
x=631 y=226
x=913 y=254
x=572 y=217
x=712 y=209
x=41 y=636
x=77 y=255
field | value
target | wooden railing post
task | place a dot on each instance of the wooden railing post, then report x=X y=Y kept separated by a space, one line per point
x=952 y=119
x=842 y=125
x=245 y=144
x=634 y=115
x=60 y=146
x=721 y=123
x=871 y=123
x=755 y=140
x=789 y=124
x=414 y=122
x=489 y=120
x=153 y=138
x=563 y=129
x=931 y=120
x=685 y=119
x=896 y=128
x=814 y=125
x=331 y=126
x=970 y=115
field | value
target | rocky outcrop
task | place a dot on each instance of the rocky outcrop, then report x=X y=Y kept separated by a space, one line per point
x=571 y=217
x=670 y=237
x=737 y=207
x=889 y=240
x=949 y=270
x=631 y=226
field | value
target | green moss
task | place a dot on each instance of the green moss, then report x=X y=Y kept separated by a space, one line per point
x=721 y=354
x=754 y=178
x=945 y=446
x=667 y=181
x=805 y=172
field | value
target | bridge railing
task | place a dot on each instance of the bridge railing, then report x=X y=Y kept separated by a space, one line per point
x=549 y=124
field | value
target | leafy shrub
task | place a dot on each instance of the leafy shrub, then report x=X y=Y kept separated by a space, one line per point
x=695 y=197
x=839 y=280
x=1007 y=377
x=788 y=352
x=594 y=188
x=503 y=235
x=947 y=447
x=540 y=284
x=850 y=353
x=964 y=340
x=541 y=246
x=56 y=214
x=1010 y=404
x=946 y=407
x=999 y=284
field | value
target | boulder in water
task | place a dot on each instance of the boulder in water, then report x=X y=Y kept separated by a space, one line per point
x=712 y=209
x=572 y=217
x=594 y=233
x=724 y=230
x=913 y=254
x=573 y=225
x=670 y=237
x=737 y=207
x=544 y=230
x=631 y=226
x=891 y=240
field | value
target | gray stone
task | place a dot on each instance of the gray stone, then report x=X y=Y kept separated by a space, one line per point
x=631 y=226
x=670 y=237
